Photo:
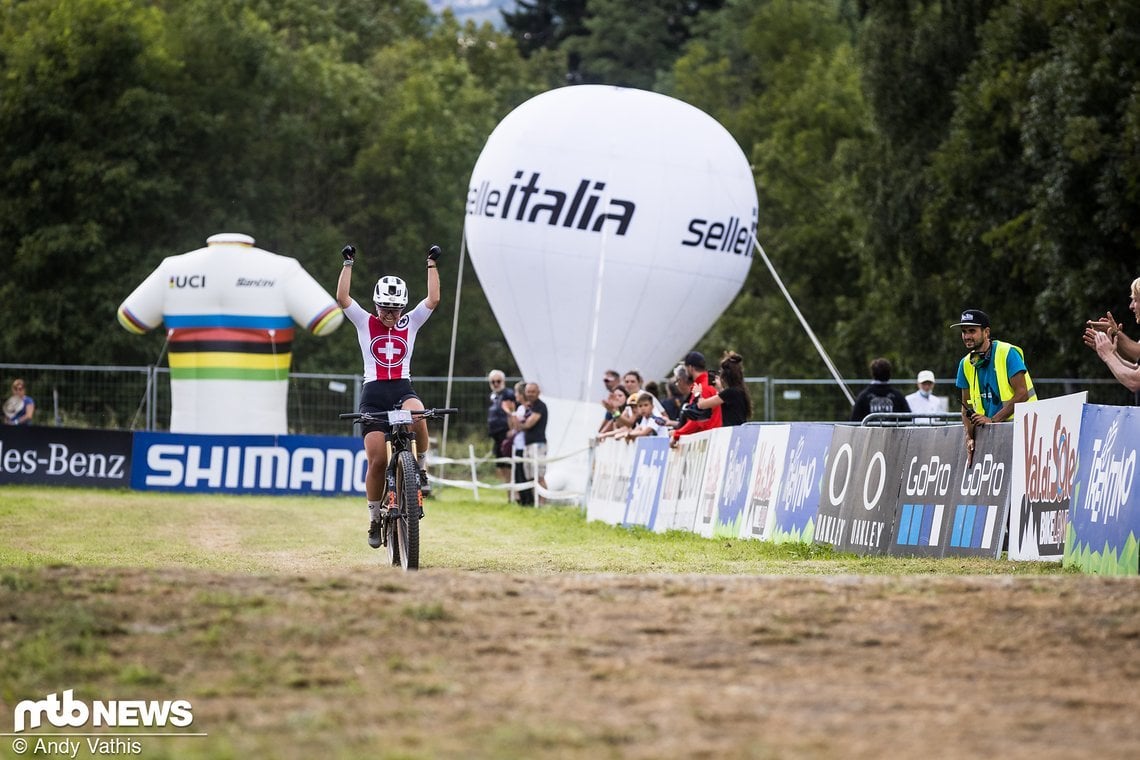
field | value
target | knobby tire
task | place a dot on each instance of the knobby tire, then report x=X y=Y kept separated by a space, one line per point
x=393 y=543
x=408 y=499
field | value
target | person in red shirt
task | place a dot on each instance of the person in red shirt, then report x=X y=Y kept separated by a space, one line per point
x=695 y=365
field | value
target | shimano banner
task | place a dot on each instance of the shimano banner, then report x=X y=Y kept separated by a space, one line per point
x=300 y=464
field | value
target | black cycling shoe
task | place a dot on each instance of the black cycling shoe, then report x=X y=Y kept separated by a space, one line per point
x=374 y=531
x=425 y=484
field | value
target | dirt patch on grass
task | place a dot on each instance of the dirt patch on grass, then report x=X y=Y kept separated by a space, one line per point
x=455 y=664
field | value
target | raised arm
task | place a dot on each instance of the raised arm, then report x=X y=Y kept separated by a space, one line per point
x=344 y=282
x=433 y=276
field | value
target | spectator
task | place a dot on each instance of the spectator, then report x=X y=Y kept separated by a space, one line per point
x=534 y=426
x=525 y=497
x=1119 y=352
x=992 y=376
x=634 y=384
x=732 y=396
x=880 y=395
x=20 y=407
x=646 y=422
x=611 y=379
x=673 y=399
x=679 y=389
x=502 y=404
x=692 y=419
x=616 y=406
x=923 y=400
x=632 y=380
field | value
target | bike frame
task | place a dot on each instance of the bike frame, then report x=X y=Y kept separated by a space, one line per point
x=400 y=520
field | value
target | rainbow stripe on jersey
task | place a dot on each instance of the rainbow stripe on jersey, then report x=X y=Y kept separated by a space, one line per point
x=229 y=347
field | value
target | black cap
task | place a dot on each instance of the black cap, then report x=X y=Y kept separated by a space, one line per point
x=973 y=318
x=695 y=359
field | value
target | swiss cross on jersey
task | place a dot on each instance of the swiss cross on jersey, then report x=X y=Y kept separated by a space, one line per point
x=391 y=349
x=387 y=352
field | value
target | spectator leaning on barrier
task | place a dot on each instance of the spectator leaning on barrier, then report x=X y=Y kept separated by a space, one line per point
x=992 y=376
x=647 y=422
x=634 y=384
x=611 y=379
x=615 y=408
x=1120 y=353
x=694 y=420
x=732 y=394
x=880 y=395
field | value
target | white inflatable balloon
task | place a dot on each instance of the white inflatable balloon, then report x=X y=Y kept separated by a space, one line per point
x=609 y=228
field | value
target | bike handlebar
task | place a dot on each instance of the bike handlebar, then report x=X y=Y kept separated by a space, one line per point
x=370 y=416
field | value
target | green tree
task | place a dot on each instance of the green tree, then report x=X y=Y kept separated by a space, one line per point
x=1035 y=186
x=544 y=24
x=84 y=186
x=782 y=77
x=913 y=54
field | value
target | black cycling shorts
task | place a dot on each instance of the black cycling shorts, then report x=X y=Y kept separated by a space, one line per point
x=383 y=396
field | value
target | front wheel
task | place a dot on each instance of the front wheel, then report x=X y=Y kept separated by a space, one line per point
x=393 y=542
x=410 y=508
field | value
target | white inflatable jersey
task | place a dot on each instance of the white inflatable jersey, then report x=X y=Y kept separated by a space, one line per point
x=229 y=310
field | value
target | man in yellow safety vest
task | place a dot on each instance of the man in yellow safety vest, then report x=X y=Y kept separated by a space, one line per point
x=992 y=376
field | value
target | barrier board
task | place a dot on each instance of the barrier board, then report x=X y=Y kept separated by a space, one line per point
x=1045 y=444
x=1105 y=510
x=649 y=458
x=860 y=487
x=265 y=464
x=797 y=503
x=51 y=456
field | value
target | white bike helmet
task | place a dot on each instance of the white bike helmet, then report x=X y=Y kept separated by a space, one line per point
x=390 y=292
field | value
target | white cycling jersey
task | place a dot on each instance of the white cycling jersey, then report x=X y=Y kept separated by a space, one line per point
x=387 y=352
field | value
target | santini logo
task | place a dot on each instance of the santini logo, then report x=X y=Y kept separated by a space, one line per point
x=531 y=203
x=73 y=713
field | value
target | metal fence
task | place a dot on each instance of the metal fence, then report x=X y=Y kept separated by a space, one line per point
x=138 y=398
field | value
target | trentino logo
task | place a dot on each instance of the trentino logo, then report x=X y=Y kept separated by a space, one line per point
x=535 y=205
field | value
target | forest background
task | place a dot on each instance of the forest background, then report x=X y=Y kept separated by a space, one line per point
x=912 y=158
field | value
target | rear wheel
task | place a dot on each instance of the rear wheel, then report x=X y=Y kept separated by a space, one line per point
x=408 y=499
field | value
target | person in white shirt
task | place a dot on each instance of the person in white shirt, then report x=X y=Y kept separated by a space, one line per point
x=923 y=400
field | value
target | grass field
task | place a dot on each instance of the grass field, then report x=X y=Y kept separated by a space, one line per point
x=531 y=633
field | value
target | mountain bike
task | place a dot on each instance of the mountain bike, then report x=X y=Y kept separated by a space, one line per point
x=403 y=499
